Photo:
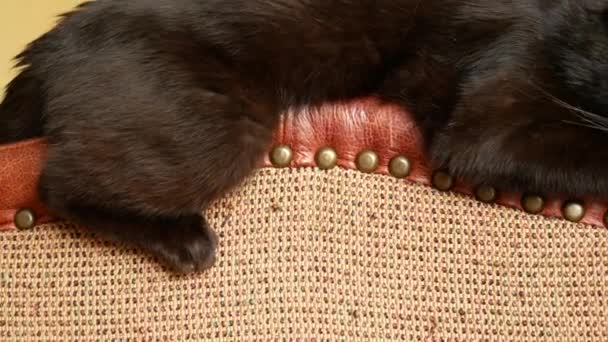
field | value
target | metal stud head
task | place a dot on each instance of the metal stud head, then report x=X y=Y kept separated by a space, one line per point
x=486 y=194
x=573 y=211
x=443 y=181
x=367 y=161
x=326 y=158
x=25 y=219
x=281 y=156
x=533 y=204
x=399 y=167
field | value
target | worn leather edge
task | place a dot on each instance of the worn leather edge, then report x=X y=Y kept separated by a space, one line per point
x=349 y=128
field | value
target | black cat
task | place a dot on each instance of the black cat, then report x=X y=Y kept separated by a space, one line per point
x=153 y=108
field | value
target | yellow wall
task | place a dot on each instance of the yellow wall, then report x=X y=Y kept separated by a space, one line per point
x=21 y=21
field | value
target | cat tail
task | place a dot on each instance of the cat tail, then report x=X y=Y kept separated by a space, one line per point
x=21 y=111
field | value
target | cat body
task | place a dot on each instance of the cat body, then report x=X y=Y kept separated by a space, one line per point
x=154 y=108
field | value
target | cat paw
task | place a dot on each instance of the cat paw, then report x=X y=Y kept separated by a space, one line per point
x=192 y=251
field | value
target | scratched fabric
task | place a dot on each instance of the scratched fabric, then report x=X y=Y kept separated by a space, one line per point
x=311 y=255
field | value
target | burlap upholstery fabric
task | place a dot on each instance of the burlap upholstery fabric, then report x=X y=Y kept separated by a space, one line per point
x=312 y=255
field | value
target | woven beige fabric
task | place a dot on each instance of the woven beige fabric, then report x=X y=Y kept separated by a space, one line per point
x=315 y=255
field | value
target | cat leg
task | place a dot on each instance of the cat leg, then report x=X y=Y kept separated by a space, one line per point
x=185 y=243
x=149 y=187
x=497 y=136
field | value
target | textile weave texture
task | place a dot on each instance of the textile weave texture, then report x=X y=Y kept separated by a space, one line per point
x=320 y=255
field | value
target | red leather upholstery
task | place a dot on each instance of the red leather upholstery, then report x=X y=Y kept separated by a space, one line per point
x=20 y=165
x=348 y=128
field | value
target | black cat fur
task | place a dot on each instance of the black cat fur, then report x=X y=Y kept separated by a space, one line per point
x=154 y=108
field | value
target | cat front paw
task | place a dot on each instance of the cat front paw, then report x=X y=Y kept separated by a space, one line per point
x=193 y=250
